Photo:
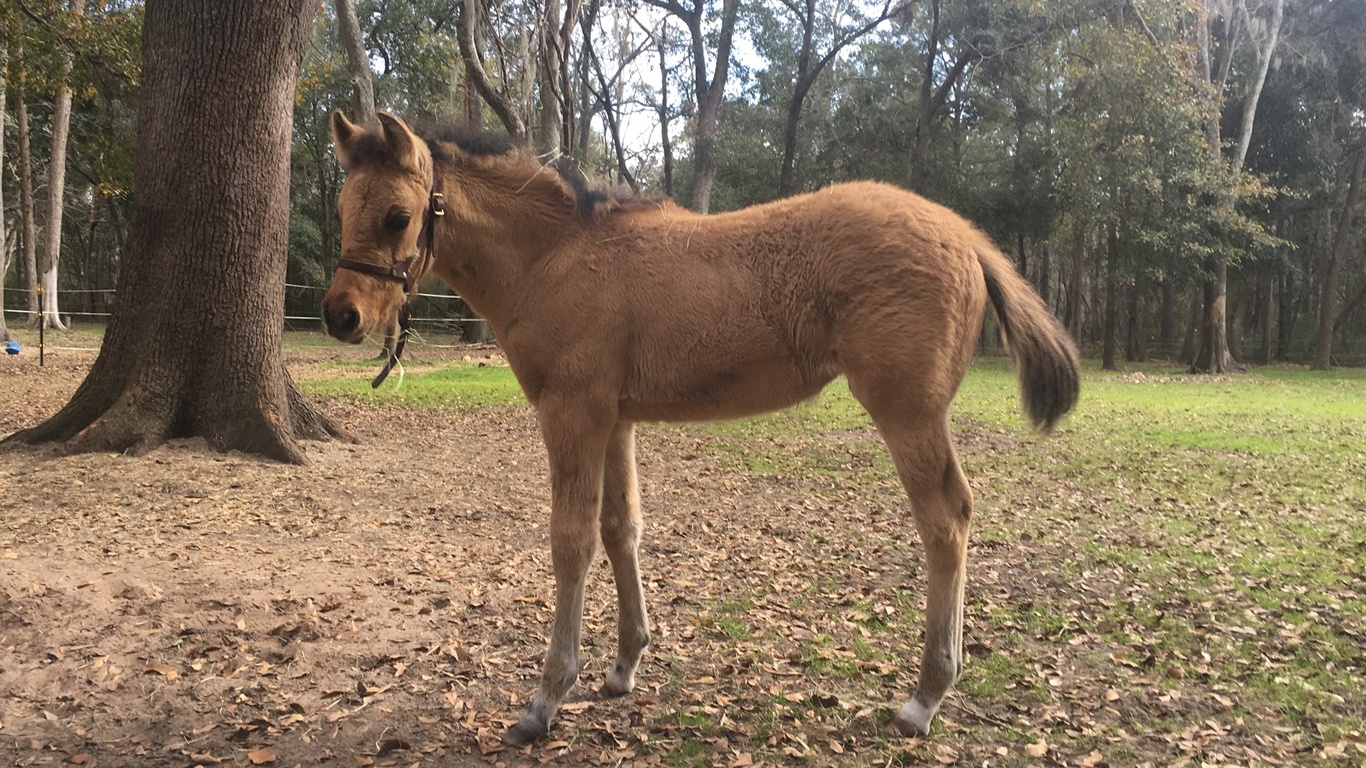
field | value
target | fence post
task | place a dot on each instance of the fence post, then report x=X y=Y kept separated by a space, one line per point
x=41 y=324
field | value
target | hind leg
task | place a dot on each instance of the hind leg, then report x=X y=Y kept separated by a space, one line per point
x=941 y=503
x=620 y=524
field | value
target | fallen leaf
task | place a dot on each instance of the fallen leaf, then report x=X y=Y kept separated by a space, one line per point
x=261 y=756
x=160 y=669
x=1038 y=749
x=1093 y=760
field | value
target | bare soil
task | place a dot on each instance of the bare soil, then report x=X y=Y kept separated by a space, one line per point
x=388 y=604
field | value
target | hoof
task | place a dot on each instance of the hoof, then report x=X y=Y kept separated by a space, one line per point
x=532 y=726
x=618 y=683
x=914 y=718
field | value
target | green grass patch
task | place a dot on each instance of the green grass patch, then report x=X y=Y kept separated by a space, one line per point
x=452 y=385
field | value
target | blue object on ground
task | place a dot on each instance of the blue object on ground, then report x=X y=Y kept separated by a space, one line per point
x=12 y=348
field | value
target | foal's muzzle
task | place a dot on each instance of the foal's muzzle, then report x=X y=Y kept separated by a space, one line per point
x=343 y=323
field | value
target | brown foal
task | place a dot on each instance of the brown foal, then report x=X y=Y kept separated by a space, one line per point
x=614 y=311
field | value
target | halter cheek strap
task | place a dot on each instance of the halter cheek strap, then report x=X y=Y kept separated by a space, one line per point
x=403 y=272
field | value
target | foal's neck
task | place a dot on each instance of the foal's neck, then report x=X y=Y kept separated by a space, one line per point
x=501 y=219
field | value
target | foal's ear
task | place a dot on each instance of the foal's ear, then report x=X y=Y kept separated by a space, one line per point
x=403 y=143
x=344 y=133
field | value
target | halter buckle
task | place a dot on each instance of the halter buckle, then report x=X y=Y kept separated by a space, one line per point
x=438 y=204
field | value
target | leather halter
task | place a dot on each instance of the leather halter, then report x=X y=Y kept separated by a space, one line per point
x=403 y=272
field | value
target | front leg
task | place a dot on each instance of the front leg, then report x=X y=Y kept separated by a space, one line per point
x=576 y=436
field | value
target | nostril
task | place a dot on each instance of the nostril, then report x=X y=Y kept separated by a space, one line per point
x=347 y=320
x=341 y=322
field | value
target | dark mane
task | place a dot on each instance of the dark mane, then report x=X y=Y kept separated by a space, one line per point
x=469 y=138
x=594 y=199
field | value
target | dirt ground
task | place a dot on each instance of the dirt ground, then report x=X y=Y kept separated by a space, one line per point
x=388 y=604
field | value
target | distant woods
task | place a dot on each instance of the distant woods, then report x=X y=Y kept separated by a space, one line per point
x=1180 y=180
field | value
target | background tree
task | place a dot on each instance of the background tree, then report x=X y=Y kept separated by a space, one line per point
x=56 y=180
x=709 y=90
x=194 y=344
x=1055 y=125
x=358 y=61
x=5 y=252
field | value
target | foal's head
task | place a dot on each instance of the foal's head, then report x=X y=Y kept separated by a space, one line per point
x=382 y=207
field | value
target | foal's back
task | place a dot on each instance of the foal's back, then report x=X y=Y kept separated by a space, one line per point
x=707 y=317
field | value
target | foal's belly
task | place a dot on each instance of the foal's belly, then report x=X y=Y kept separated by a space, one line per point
x=723 y=394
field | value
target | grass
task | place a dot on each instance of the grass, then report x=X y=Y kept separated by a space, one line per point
x=1195 y=544
x=451 y=386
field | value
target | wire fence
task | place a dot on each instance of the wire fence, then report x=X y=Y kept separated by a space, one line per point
x=439 y=315
x=446 y=314
x=449 y=315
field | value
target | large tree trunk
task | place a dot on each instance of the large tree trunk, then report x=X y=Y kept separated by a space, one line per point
x=27 y=227
x=193 y=347
x=358 y=62
x=1213 y=356
x=1332 y=279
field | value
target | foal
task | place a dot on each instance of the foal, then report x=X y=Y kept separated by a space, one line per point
x=612 y=312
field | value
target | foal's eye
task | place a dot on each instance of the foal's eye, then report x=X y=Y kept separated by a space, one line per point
x=398 y=221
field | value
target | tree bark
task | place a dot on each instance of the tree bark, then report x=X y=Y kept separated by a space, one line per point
x=27 y=209
x=358 y=62
x=807 y=72
x=1285 y=316
x=1265 y=296
x=1188 y=350
x=666 y=146
x=1215 y=355
x=1078 y=279
x=1108 y=341
x=1237 y=320
x=4 y=241
x=1264 y=53
x=193 y=347
x=474 y=70
x=1135 y=350
x=1167 y=329
x=1332 y=279
x=56 y=189
x=548 y=132
x=708 y=90
x=1045 y=274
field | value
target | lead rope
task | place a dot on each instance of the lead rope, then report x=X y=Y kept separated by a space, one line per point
x=435 y=209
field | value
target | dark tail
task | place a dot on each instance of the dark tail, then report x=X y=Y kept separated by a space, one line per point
x=1045 y=357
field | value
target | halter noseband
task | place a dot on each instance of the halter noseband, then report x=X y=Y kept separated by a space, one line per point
x=403 y=272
